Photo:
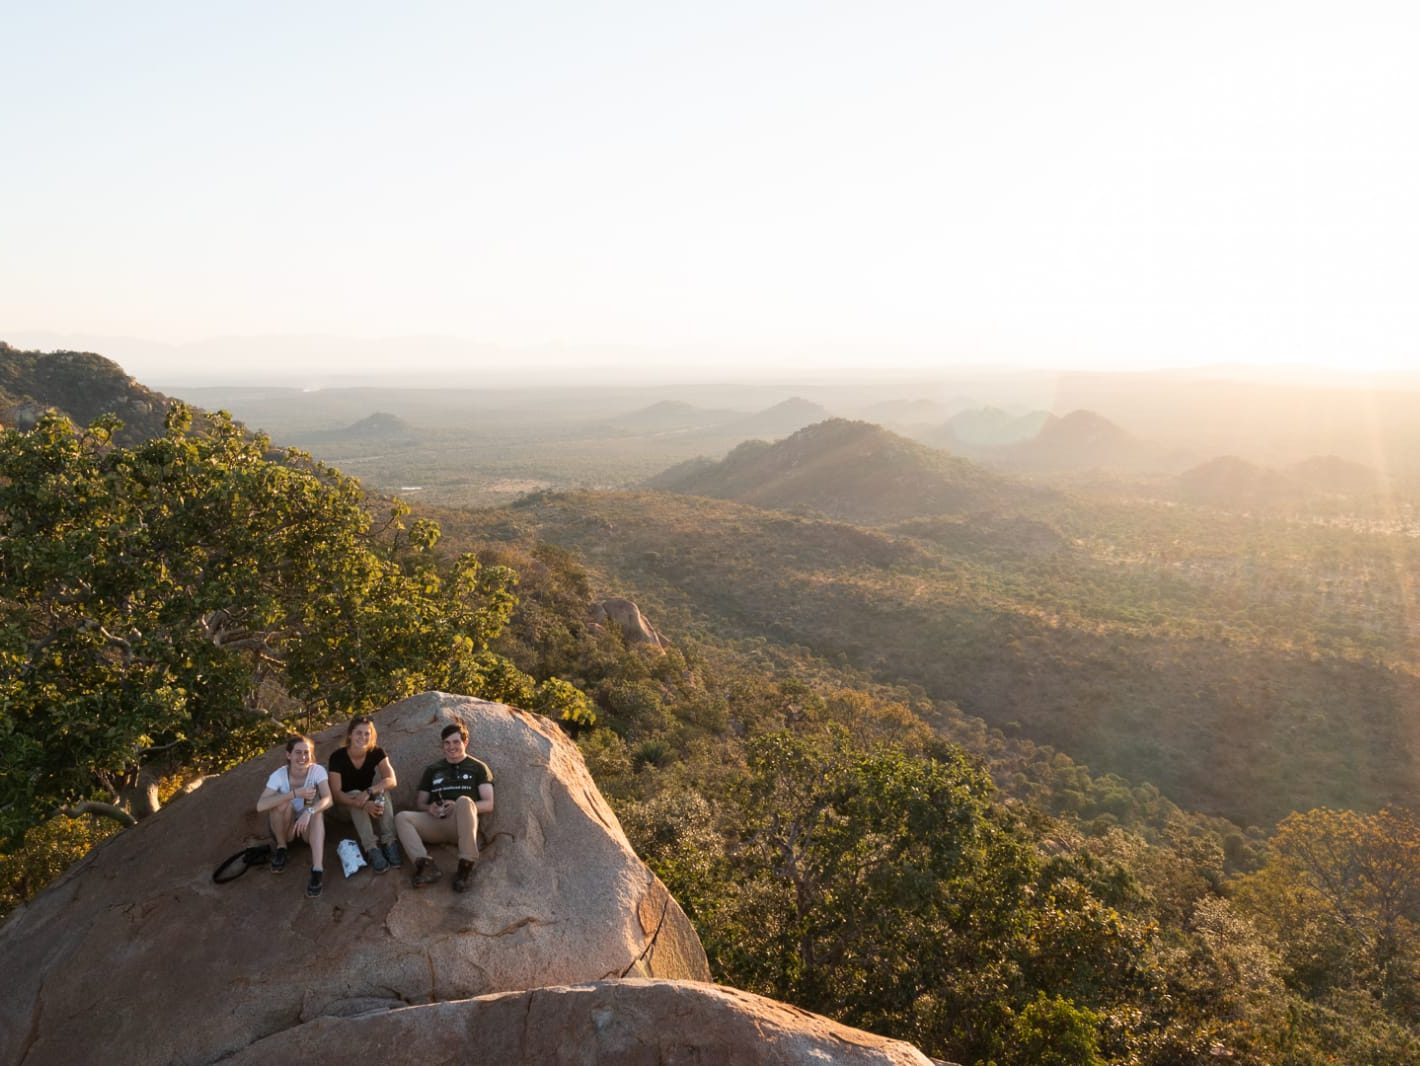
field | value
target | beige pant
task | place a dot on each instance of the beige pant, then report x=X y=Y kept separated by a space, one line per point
x=416 y=828
x=365 y=825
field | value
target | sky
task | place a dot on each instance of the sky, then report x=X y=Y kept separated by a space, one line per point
x=245 y=189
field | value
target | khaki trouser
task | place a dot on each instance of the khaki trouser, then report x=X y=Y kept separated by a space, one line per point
x=418 y=827
x=365 y=825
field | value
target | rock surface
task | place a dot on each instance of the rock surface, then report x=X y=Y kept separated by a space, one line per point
x=135 y=956
x=628 y=1023
x=626 y=616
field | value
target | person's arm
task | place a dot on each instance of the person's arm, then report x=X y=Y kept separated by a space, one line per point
x=484 y=803
x=323 y=798
x=425 y=801
x=321 y=802
x=271 y=798
x=387 y=781
x=338 y=794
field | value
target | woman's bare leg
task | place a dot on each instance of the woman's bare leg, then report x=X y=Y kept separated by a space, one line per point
x=280 y=820
x=315 y=833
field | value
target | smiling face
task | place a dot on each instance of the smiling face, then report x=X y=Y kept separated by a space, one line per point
x=455 y=748
x=362 y=737
x=298 y=757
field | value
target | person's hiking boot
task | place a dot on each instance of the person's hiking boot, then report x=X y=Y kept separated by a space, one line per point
x=278 y=861
x=426 y=872
x=313 y=889
x=464 y=877
x=392 y=855
x=377 y=860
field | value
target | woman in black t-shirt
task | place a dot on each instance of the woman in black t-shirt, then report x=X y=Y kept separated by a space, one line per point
x=362 y=782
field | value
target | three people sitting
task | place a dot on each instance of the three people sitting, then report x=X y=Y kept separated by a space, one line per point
x=358 y=788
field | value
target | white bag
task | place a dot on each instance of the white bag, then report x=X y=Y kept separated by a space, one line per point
x=350 y=858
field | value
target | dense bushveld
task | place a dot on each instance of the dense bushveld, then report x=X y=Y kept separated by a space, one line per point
x=840 y=843
x=1258 y=669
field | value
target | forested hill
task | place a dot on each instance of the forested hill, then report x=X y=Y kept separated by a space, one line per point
x=849 y=470
x=81 y=385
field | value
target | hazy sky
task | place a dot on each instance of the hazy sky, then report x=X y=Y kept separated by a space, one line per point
x=1100 y=184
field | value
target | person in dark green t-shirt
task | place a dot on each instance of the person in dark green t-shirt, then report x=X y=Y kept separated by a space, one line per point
x=453 y=793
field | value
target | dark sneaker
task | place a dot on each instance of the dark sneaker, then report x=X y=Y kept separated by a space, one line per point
x=313 y=889
x=391 y=850
x=426 y=872
x=464 y=877
x=278 y=861
x=376 y=858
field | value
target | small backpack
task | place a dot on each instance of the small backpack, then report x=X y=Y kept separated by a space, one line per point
x=241 y=862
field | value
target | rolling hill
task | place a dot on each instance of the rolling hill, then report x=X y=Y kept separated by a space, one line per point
x=1333 y=474
x=850 y=470
x=990 y=427
x=1234 y=483
x=784 y=418
x=1086 y=441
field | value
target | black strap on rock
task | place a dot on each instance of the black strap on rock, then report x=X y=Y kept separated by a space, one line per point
x=241 y=862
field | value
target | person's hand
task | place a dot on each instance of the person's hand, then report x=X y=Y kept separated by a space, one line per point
x=307 y=793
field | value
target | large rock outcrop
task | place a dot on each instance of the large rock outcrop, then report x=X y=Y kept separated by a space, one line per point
x=625 y=1023
x=627 y=617
x=135 y=956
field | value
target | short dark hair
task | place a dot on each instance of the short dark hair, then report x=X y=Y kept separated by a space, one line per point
x=296 y=738
x=452 y=728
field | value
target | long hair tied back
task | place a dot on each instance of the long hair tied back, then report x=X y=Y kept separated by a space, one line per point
x=359 y=720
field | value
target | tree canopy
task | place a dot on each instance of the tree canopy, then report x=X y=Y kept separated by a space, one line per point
x=165 y=602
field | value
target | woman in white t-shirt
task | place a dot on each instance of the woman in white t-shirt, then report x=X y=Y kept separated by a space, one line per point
x=296 y=797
